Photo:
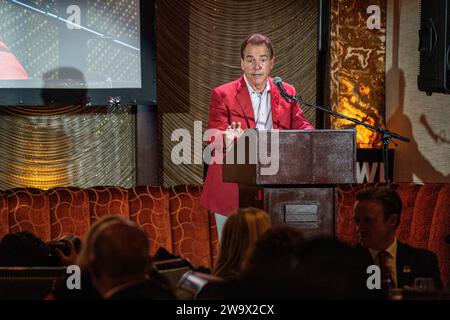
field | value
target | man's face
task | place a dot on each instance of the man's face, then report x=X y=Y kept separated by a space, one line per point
x=257 y=65
x=374 y=231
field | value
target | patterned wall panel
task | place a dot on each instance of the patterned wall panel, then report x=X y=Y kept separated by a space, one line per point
x=149 y=208
x=29 y=210
x=358 y=66
x=198 y=47
x=46 y=147
x=190 y=225
x=69 y=212
x=104 y=201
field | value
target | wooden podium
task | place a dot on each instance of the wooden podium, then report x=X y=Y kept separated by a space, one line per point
x=302 y=191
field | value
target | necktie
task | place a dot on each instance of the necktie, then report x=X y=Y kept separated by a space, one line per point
x=386 y=274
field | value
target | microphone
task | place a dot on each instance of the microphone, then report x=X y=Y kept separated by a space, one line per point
x=278 y=82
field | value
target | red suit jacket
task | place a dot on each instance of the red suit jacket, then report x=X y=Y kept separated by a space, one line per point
x=231 y=103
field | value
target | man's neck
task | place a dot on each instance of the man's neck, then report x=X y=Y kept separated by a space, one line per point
x=256 y=87
x=386 y=245
x=259 y=88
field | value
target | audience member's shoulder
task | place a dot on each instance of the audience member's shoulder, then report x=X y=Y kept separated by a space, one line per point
x=144 y=291
x=418 y=252
x=218 y=290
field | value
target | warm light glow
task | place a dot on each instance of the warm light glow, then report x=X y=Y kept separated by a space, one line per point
x=354 y=102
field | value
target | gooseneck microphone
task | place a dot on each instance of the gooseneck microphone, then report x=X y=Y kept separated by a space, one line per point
x=279 y=83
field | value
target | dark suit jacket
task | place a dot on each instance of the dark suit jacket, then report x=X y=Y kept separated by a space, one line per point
x=231 y=103
x=144 y=291
x=415 y=263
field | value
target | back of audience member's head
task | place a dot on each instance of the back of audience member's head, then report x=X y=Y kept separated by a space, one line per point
x=242 y=229
x=88 y=291
x=119 y=254
x=270 y=267
x=83 y=257
x=330 y=269
x=23 y=249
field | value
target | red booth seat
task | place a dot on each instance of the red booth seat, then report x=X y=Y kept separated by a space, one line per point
x=173 y=218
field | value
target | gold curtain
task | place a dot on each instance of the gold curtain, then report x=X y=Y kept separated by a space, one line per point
x=198 y=44
x=45 y=147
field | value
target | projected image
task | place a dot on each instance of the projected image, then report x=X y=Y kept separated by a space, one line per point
x=41 y=39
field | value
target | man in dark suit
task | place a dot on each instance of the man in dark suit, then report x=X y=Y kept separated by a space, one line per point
x=252 y=101
x=377 y=216
x=120 y=263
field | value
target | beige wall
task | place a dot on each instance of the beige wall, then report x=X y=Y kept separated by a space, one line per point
x=410 y=112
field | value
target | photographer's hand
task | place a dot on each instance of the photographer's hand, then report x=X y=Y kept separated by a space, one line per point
x=69 y=259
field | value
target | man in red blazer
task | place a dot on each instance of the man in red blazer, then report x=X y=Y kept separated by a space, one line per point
x=252 y=101
x=10 y=67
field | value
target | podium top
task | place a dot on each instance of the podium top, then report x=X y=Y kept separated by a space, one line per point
x=292 y=157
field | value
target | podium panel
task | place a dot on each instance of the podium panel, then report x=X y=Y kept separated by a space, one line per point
x=304 y=157
x=302 y=191
x=310 y=209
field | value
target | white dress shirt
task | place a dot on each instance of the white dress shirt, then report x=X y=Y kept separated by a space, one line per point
x=261 y=106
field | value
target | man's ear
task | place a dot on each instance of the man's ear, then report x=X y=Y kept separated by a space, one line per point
x=272 y=62
x=394 y=220
x=242 y=64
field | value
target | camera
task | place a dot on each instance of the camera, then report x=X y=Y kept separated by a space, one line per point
x=63 y=245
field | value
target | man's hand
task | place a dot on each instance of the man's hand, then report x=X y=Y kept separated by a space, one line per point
x=71 y=258
x=232 y=132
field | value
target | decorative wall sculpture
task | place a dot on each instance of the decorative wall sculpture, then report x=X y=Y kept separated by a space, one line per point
x=358 y=49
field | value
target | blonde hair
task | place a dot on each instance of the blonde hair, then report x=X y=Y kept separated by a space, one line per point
x=241 y=230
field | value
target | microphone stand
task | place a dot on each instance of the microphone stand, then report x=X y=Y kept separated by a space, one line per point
x=386 y=134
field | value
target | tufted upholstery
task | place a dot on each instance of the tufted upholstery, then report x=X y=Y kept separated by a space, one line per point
x=190 y=238
x=424 y=222
x=149 y=208
x=408 y=193
x=440 y=228
x=107 y=200
x=29 y=210
x=69 y=212
x=423 y=215
x=173 y=218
